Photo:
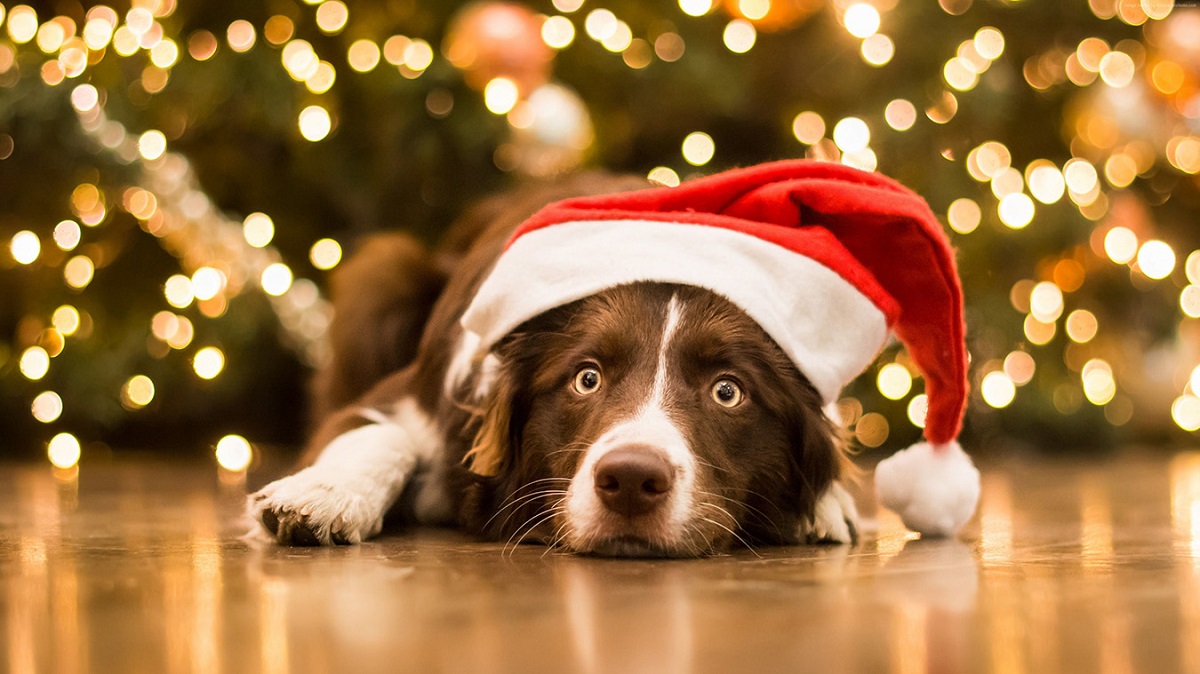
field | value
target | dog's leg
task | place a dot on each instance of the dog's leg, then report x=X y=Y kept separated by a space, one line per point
x=835 y=518
x=342 y=497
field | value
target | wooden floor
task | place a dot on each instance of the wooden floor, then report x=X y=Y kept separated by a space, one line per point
x=137 y=566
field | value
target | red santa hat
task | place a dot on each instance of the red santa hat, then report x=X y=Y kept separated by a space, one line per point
x=827 y=259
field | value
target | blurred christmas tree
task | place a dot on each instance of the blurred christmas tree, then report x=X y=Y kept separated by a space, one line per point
x=176 y=178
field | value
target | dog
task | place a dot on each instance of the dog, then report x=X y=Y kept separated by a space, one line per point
x=650 y=419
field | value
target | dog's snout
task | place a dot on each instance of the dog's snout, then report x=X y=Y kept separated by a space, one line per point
x=633 y=480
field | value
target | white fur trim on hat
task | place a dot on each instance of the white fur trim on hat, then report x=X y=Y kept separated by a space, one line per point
x=934 y=488
x=830 y=329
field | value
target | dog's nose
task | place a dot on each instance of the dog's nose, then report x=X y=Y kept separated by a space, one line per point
x=633 y=480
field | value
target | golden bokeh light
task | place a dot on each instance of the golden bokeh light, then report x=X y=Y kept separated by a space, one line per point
x=558 y=32
x=1120 y=245
x=1156 y=259
x=207 y=283
x=1099 y=386
x=1191 y=267
x=202 y=45
x=620 y=39
x=152 y=144
x=1038 y=332
x=34 y=363
x=1006 y=182
x=698 y=148
x=1046 y=302
x=315 y=123
x=67 y=235
x=500 y=95
x=79 y=271
x=989 y=42
x=63 y=451
x=1167 y=77
x=739 y=36
x=861 y=20
x=997 y=389
x=1046 y=182
x=363 y=56
x=917 y=410
x=332 y=16
x=878 y=49
x=696 y=7
x=299 y=60
x=178 y=291
x=600 y=24
x=66 y=319
x=1082 y=326
x=208 y=362
x=1019 y=366
x=325 y=254
x=278 y=29
x=964 y=215
x=418 y=55
x=1185 y=412
x=258 y=229
x=137 y=392
x=958 y=73
x=1016 y=210
x=664 y=176
x=1189 y=301
x=47 y=407
x=233 y=453
x=872 y=429
x=851 y=134
x=669 y=47
x=276 y=279
x=322 y=78
x=22 y=24
x=808 y=127
x=241 y=36
x=900 y=114
x=567 y=6
x=25 y=247
x=165 y=53
x=84 y=98
x=1080 y=175
x=1194 y=379
x=1117 y=69
x=894 y=381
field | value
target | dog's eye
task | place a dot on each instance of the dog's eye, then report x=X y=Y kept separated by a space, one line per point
x=727 y=393
x=587 y=381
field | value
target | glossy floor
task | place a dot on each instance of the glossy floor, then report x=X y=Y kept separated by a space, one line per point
x=138 y=567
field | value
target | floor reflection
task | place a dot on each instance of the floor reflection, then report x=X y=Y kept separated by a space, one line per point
x=140 y=568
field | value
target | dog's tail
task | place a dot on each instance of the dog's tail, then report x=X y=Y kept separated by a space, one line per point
x=382 y=297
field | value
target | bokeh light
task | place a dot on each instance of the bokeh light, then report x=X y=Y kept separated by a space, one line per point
x=315 y=123
x=258 y=229
x=861 y=20
x=500 y=95
x=325 y=254
x=1185 y=412
x=137 y=392
x=276 y=279
x=1120 y=245
x=894 y=381
x=740 y=36
x=698 y=148
x=1099 y=386
x=63 y=450
x=851 y=134
x=917 y=410
x=233 y=453
x=1082 y=326
x=1156 y=259
x=964 y=215
x=47 y=407
x=208 y=362
x=997 y=389
x=25 y=247
x=808 y=127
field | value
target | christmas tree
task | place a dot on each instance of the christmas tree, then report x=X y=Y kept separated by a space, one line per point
x=178 y=177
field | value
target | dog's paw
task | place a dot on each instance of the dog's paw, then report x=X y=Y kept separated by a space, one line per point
x=308 y=509
x=835 y=518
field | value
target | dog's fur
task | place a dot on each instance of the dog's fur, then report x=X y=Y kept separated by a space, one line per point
x=698 y=433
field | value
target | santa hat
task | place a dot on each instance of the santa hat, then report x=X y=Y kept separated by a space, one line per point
x=826 y=258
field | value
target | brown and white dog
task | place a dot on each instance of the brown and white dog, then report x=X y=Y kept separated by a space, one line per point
x=648 y=419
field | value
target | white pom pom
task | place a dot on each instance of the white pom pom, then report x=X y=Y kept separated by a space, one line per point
x=934 y=488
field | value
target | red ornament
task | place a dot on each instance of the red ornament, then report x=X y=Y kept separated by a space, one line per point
x=487 y=40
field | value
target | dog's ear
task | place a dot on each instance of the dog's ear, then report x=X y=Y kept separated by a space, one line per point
x=818 y=450
x=491 y=450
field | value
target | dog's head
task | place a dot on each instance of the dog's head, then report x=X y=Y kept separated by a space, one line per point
x=651 y=420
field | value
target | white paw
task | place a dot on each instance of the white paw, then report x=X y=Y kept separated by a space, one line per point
x=310 y=508
x=835 y=518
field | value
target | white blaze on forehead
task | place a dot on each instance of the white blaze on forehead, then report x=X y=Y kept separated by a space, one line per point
x=659 y=392
x=650 y=426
